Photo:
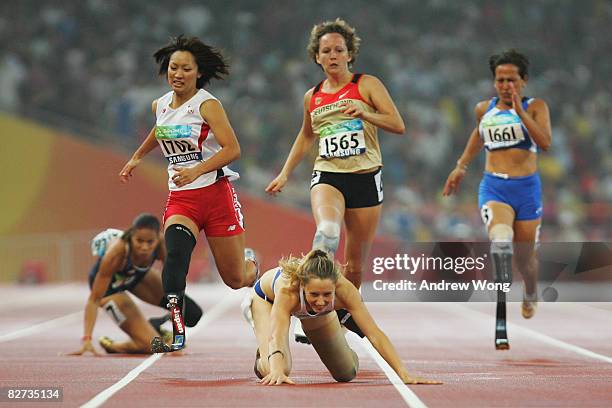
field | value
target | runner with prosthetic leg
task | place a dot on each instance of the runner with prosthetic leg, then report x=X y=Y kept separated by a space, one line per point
x=180 y=243
x=512 y=128
x=197 y=139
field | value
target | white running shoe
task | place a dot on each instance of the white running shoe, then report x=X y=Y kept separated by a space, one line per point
x=298 y=331
x=245 y=308
x=250 y=255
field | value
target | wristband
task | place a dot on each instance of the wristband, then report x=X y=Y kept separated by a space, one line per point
x=86 y=338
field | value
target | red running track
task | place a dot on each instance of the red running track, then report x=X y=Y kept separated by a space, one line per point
x=560 y=358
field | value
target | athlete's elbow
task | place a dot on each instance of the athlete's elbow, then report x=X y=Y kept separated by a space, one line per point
x=235 y=152
x=399 y=128
x=94 y=300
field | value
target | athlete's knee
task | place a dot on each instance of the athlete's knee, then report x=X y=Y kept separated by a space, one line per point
x=233 y=281
x=349 y=373
x=179 y=244
x=352 y=272
x=352 y=269
x=501 y=236
x=346 y=376
x=327 y=236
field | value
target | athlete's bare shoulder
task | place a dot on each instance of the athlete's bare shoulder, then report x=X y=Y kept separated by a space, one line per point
x=481 y=108
x=308 y=94
x=369 y=80
x=537 y=105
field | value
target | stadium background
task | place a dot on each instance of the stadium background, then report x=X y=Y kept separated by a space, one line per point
x=77 y=80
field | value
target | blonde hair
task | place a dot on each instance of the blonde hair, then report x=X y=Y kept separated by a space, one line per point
x=315 y=264
x=338 y=26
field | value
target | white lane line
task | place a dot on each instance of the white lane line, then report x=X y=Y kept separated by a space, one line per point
x=407 y=394
x=34 y=295
x=208 y=317
x=547 y=339
x=50 y=324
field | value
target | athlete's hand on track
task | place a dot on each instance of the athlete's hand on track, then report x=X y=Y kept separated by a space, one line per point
x=85 y=348
x=276 y=379
x=452 y=182
x=184 y=175
x=126 y=171
x=276 y=185
x=407 y=379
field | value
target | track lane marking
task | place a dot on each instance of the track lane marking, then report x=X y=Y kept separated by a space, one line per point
x=547 y=339
x=407 y=394
x=207 y=318
x=50 y=324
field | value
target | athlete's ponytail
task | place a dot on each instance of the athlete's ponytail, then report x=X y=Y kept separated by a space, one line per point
x=315 y=264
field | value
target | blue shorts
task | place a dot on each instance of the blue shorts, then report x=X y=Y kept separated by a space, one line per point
x=523 y=194
x=260 y=291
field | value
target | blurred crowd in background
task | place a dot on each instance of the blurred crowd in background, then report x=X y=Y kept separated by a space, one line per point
x=87 y=66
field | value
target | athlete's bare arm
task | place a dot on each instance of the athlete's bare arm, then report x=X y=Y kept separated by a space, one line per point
x=112 y=261
x=386 y=117
x=351 y=299
x=278 y=349
x=302 y=145
x=472 y=148
x=147 y=145
x=536 y=119
x=214 y=114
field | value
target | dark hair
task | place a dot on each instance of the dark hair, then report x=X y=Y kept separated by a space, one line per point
x=510 y=57
x=338 y=26
x=144 y=220
x=210 y=61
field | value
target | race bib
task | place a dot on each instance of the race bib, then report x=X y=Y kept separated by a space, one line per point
x=177 y=144
x=342 y=140
x=501 y=131
x=100 y=242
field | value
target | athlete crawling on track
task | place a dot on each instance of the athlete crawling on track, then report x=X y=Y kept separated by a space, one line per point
x=310 y=288
x=125 y=263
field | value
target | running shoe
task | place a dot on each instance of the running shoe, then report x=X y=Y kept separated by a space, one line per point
x=250 y=255
x=245 y=308
x=107 y=344
x=299 y=334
